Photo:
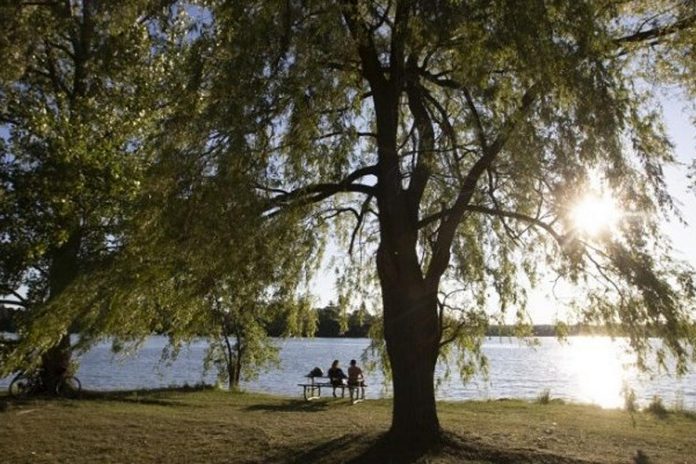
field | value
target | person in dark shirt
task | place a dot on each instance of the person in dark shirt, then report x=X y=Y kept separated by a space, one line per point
x=336 y=376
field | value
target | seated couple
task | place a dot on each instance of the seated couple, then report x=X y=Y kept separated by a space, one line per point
x=336 y=375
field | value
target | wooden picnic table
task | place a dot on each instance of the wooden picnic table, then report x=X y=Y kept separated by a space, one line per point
x=312 y=390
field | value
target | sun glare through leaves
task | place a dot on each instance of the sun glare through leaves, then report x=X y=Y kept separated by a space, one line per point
x=595 y=214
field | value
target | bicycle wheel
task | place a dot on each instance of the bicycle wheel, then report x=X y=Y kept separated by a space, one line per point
x=69 y=387
x=21 y=386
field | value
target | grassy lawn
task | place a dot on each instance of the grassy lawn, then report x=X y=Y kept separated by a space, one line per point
x=209 y=426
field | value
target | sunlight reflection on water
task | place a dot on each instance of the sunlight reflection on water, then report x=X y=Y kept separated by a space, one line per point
x=600 y=371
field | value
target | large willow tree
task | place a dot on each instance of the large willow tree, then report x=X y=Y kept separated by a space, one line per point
x=459 y=135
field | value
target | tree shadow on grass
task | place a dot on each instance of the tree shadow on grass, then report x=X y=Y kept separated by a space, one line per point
x=378 y=449
x=348 y=448
x=291 y=406
x=131 y=397
x=154 y=396
x=463 y=449
x=8 y=403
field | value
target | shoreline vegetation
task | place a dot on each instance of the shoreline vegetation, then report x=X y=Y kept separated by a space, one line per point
x=203 y=425
x=331 y=323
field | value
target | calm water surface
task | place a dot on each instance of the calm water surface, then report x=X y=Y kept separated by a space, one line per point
x=583 y=369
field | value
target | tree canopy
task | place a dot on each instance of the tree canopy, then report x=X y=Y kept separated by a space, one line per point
x=450 y=140
x=164 y=223
x=77 y=87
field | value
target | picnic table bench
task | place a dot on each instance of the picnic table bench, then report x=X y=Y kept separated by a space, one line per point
x=312 y=390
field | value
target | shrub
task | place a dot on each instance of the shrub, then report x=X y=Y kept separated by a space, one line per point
x=630 y=400
x=679 y=405
x=641 y=458
x=657 y=407
x=544 y=397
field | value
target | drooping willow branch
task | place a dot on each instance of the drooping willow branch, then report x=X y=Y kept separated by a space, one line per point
x=560 y=238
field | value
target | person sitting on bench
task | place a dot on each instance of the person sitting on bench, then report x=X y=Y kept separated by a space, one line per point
x=336 y=376
x=356 y=379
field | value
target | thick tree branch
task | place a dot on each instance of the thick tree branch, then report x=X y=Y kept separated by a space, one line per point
x=343 y=132
x=426 y=144
x=13 y=303
x=385 y=94
x=455 y=85
x=18 y=296
x=657 y=32
x=361 y=217
x=397 y=55
x=383 y=17
x=335 y=212
x=450 y=223
x=455 y=332
x=372 y=67
x=436 y=79
x=442 y=305
x=444 y=122
x=318 y=192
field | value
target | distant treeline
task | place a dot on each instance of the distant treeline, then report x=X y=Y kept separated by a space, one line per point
x=547 y=330
x=357 y=325
x=331 y=323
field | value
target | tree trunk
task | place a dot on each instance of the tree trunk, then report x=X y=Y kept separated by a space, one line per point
x=55 y=363
x=411 y=328
x=239 y=360
x=231 y=376
x=411 y=332
x=230 y=359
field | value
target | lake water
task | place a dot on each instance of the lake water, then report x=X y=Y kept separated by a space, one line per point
x=583 y=369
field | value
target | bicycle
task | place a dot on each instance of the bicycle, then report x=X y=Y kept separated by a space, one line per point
x=25 y=384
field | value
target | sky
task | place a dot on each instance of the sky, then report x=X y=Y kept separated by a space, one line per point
x=542 y=308
x=683 y=134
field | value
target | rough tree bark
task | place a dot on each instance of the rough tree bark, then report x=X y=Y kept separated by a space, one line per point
x=412 y=339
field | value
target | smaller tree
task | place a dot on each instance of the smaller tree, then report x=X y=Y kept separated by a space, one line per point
x=242 y=346
x=241 y=337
